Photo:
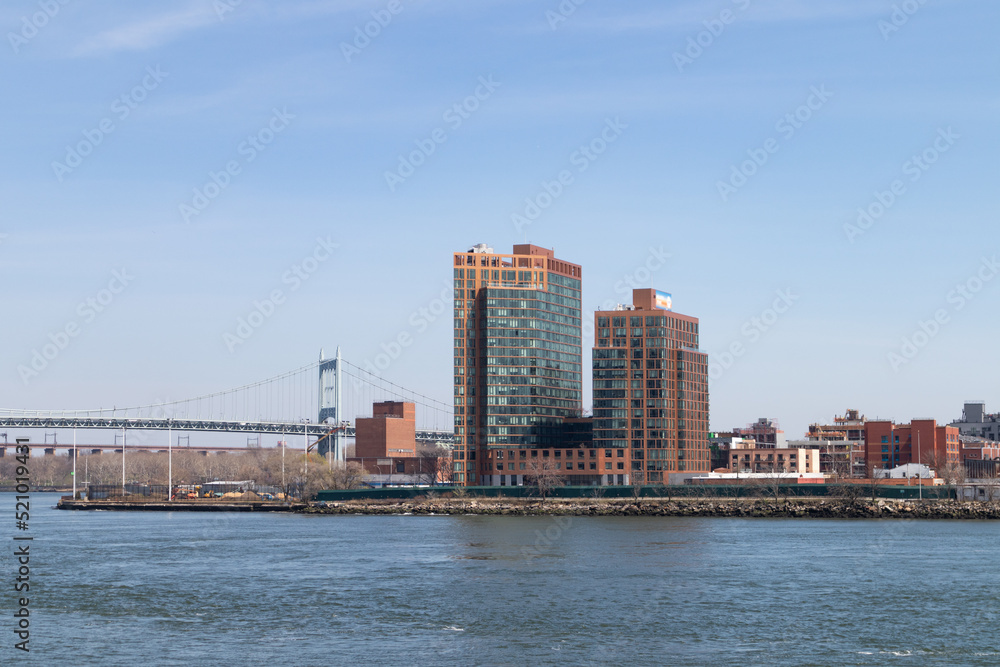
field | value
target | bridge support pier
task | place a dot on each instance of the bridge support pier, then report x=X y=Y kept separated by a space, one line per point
x=330 y=403
x=50 y=451
x=95 y=451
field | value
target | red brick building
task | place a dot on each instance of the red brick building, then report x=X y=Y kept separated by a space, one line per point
x=888 y=445
x=978 y=449
x=390 y=431
x=650 y=391
x=386 y=446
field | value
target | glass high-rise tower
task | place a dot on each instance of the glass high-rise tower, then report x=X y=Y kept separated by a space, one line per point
x=518 y=355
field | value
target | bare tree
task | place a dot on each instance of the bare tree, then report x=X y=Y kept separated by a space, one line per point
x=992 y=490
x=51 y=470
x=874 y=475
x=321 y=476
x=773 y=485
x=954 y=475
x=105 y=469
x=848 y=491
x=544 y=477
x=638 y=482
x=350 y=476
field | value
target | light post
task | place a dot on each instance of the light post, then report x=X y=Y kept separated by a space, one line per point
x=74 y=464
x=170 y=461
x=305 y=450
x=920 y=477
x=123 y=462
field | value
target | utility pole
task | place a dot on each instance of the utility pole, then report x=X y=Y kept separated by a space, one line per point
x=123 y=461
x=920 y=476
x=337 y=399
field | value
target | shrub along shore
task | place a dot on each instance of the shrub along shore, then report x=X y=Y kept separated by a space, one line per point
x=820 y=508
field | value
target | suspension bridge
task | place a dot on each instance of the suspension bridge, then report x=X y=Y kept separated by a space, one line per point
x=317 y=402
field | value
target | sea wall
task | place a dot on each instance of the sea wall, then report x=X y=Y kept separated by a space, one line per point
x=820 y=508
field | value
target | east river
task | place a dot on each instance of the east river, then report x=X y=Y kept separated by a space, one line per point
x=280 y=589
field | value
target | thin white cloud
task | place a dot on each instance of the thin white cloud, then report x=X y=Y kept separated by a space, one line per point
x=693 y=14
x=149 y=33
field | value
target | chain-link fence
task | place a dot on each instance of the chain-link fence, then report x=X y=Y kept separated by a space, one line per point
x=246 y=491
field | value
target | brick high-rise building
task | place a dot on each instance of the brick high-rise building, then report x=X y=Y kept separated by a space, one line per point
x=651 y=390
x=518 y=357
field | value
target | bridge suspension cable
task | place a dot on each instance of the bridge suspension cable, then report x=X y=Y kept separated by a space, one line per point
x=292 y=397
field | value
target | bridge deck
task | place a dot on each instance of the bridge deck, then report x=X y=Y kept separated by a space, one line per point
x=204 y=425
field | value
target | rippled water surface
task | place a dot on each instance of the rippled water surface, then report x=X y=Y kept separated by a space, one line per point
x=254 y=589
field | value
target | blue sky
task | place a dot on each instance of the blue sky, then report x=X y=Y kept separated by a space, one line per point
x=832 y=100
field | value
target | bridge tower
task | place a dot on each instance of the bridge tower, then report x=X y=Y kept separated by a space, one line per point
x=329 y=404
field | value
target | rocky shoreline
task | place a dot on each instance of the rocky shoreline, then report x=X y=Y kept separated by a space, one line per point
x=819 y=508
